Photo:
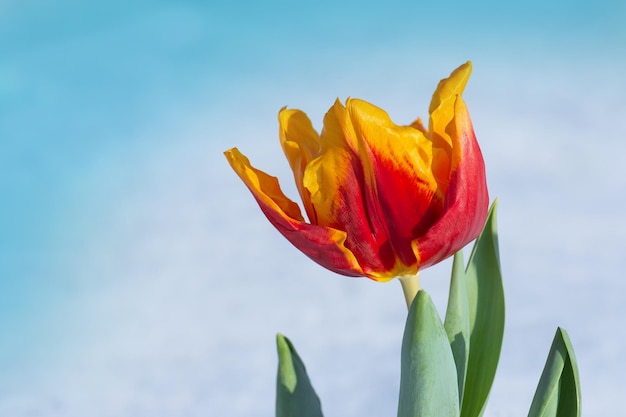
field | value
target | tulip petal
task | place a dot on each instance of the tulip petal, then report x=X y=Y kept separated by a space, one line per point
x=451 y=86
x=467 y=198
x=324 y=245
x=401 y=189
x=419 y=125
x=442 y=112
x=338 y=191
x=300 y=143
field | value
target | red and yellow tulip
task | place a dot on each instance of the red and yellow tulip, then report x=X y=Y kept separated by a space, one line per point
x=382 y=200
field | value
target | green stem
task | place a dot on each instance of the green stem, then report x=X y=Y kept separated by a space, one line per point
x=410 y=287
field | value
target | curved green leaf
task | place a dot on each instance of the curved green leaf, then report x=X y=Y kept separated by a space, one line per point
x=428 y=383
x=295 y=396
x=457 y=323
x=486 y=315
x=558 y=391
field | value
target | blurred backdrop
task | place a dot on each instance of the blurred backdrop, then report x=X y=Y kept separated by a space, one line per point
x=139 y=278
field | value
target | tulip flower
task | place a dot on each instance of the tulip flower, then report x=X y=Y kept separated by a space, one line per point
x=382 y=200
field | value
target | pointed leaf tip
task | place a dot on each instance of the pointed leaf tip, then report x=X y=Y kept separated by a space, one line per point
x=295 y=396
x=286 y=371
x=428 y=383
x=558 y=391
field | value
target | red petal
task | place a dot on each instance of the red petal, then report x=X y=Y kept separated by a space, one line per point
x=322 y=244
x=466 y=202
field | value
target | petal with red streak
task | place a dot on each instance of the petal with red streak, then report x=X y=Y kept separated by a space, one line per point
x=467 y=198
x=401 y=190
x=324 y=245
x=442 y=112
x=335 y=181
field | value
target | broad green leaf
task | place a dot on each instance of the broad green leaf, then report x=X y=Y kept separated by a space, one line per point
x=486 y=316
x=558 y=392
x=457 y=322
x=295 y=396
x=428 y=383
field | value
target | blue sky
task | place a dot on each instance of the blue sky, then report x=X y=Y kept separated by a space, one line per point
x=122 y=229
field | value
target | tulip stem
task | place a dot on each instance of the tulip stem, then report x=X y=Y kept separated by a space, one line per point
x=410 y=287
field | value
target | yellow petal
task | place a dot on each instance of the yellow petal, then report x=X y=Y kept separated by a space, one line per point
x=451 y=86
x=441 y=115
x=264 y=187
x=300 y=143
x=338 y=131
x=327 y=175
x=419 y=125
x=406 y=147
x=322 y=244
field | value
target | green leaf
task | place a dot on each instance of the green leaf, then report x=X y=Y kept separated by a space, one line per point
x=558 y=392
x=486 y=316
x=457 y=323
x=295 y=396
x=428 y=383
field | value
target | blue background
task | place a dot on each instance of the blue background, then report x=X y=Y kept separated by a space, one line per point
x=138 y=277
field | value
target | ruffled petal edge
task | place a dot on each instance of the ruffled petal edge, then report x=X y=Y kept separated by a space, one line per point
x=323 y=245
